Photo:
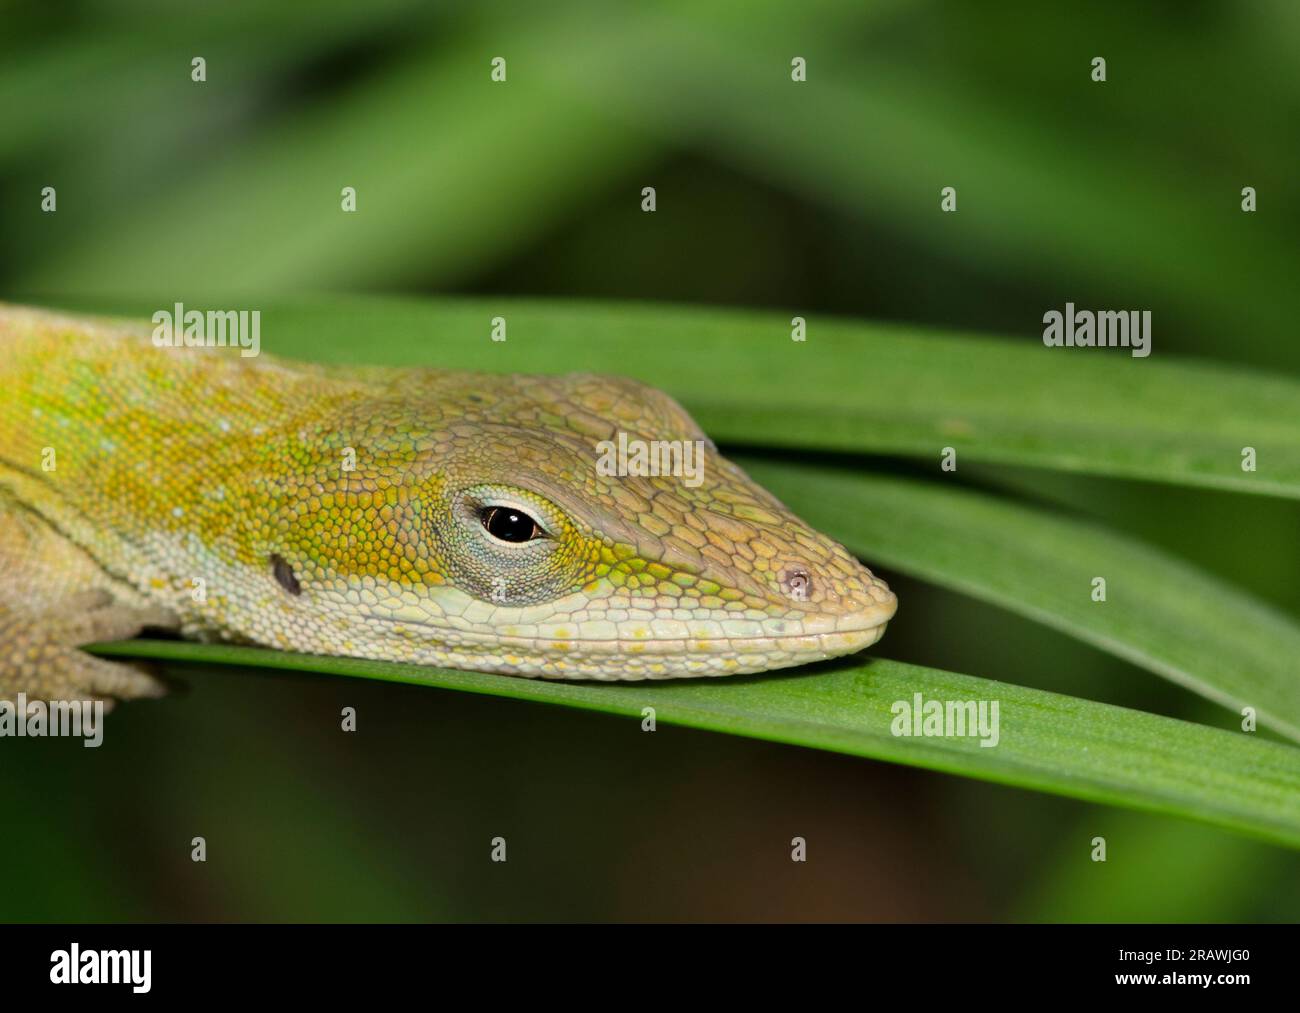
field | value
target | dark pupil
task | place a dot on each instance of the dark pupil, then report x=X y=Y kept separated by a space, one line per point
x=509 y=525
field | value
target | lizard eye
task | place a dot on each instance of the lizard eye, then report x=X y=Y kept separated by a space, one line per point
x=509 y=524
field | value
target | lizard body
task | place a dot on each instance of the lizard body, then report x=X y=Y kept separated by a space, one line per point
x=419 y=515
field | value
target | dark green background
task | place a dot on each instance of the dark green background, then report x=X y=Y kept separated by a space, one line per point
x=813 y=198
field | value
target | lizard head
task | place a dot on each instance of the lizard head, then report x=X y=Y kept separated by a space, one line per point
x=567 y=527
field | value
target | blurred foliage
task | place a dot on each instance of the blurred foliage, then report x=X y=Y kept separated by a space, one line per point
x=812 y=199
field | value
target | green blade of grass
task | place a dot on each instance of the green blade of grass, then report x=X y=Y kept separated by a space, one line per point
x=910 y=391
x=1048 y=742
x=1160 y=612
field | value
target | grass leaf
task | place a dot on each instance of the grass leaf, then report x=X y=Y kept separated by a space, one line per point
x=913 y=392
x=1047 y=742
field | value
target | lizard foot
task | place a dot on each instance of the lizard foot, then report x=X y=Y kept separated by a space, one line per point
x=39 y=652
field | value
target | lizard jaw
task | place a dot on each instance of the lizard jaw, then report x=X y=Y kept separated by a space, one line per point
x=640 y=649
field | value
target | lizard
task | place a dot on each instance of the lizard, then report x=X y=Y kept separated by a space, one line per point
x=435 y=517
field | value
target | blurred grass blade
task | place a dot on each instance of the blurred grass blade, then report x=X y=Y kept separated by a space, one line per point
x=1123 y=222
x=1066 y=218
x=453 y=173
x=1047 y=742
x=912 y=392
x=420 y=141
x=1160 y=613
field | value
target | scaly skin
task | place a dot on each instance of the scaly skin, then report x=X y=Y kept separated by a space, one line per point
x=196 y=490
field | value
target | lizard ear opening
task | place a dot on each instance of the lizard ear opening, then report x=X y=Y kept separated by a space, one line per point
x=284 y=574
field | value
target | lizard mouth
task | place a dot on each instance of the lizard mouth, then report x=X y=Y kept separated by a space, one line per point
x=609 y=661
x=647 y=650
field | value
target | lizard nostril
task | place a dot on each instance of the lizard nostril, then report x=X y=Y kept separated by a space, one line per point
x=797 y=584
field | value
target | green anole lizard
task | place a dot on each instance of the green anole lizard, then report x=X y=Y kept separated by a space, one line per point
x=418 y=515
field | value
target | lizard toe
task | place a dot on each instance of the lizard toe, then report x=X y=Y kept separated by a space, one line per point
x=109 y=621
